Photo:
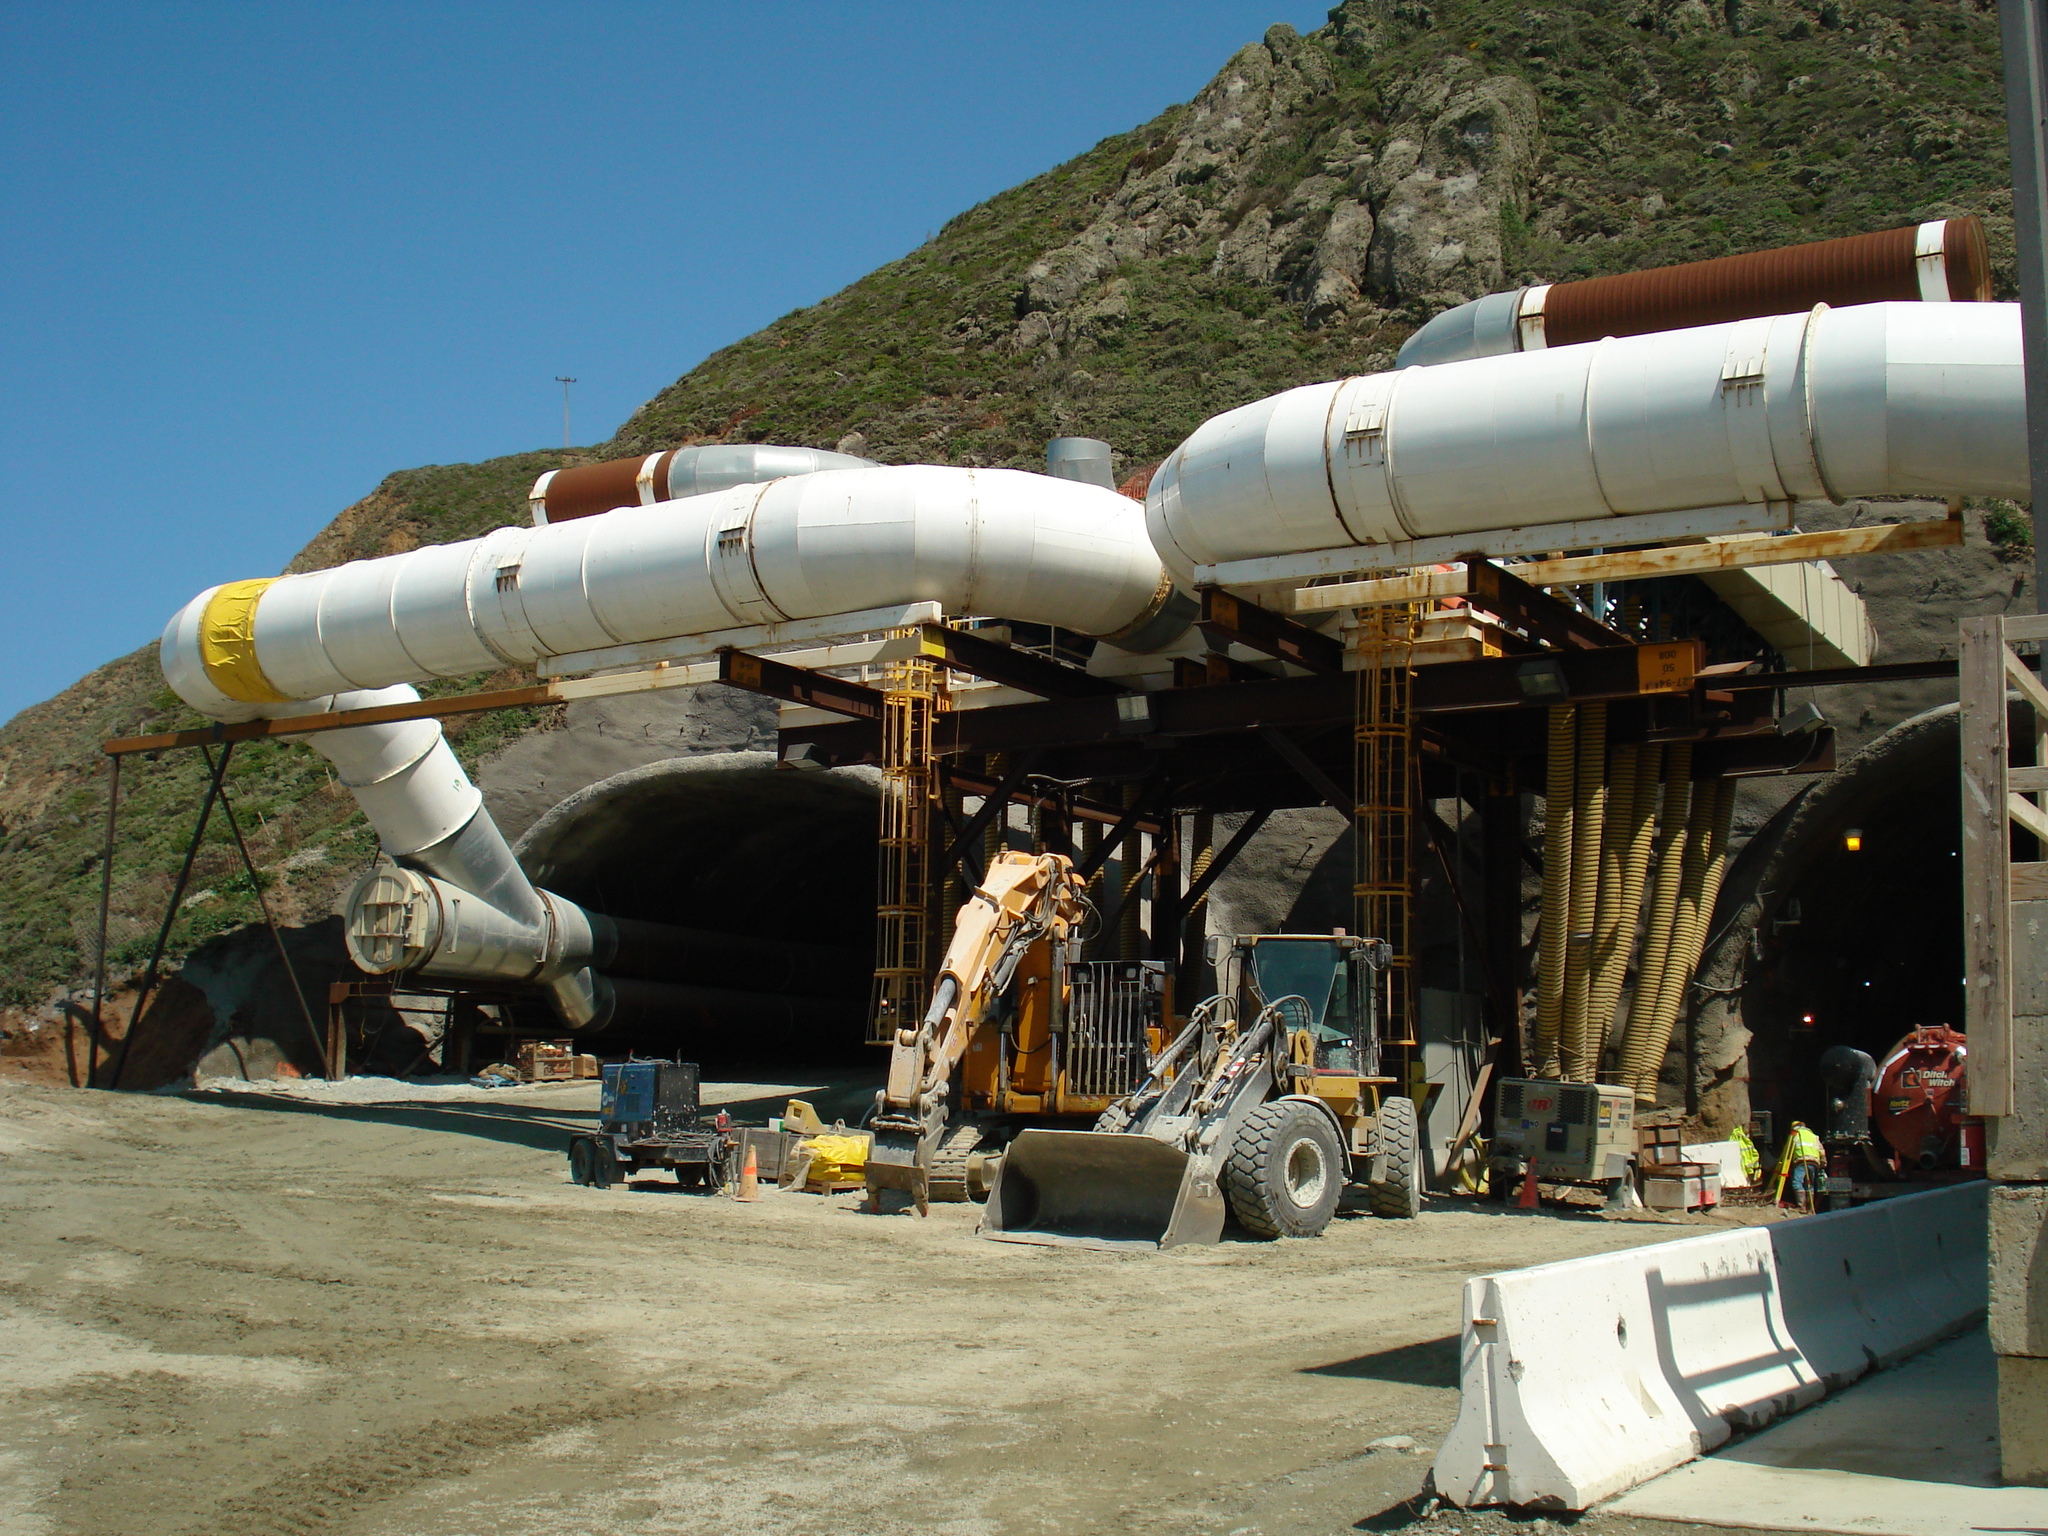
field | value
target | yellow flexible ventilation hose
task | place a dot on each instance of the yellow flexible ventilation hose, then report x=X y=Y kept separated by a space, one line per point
x=1589 y=818
x=1634 y=831
x=1705 y=850
x=1614 y=834
x=1663 y=910
x=1557 y=878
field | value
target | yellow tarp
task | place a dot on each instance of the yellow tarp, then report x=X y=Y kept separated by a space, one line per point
x=227 y=643
x=836 y=1159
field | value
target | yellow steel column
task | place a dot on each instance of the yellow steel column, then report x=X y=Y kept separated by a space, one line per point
x=913 y=691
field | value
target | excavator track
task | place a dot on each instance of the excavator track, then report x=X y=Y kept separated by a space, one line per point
x=947 y=1181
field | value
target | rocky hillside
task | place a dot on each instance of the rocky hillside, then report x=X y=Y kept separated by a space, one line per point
x=1321 y=197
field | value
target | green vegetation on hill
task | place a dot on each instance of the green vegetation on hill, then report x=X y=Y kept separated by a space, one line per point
x=1496 y=143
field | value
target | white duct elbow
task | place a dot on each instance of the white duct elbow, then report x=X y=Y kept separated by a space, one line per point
x=1874 y=400
x=399 y=919
x=402 y=774
x=998 y=542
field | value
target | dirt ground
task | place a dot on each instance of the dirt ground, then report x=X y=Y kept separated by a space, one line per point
x=230 y=1313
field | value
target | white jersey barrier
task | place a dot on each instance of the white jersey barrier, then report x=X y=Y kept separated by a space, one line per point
x=1580 y=1380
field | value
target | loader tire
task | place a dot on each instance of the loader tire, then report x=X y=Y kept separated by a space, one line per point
x=1285 y=1171
x=1397 y=1145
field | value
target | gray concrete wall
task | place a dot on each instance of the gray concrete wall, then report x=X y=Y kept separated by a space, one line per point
x=2017 y=1160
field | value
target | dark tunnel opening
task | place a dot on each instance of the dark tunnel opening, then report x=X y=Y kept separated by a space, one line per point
x=1860 y=938
x=733 y=845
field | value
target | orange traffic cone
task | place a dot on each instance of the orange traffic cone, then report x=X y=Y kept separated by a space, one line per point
x=750 y=1177
x=1529 y=1199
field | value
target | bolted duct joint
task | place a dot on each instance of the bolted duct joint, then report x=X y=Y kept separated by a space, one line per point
x=402 y=920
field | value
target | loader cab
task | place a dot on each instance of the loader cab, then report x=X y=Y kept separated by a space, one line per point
x=1335 y=975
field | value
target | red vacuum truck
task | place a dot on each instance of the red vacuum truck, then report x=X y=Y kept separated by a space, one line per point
x=1916 y=1102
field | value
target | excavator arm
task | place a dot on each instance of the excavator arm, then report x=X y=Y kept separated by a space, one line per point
x=1025 y=900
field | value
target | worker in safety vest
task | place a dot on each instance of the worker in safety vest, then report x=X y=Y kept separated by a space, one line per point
x=1800 y=1168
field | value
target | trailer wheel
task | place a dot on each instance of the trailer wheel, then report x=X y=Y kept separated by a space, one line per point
x=589 y=1164
x=1397 y=1143
x=1285 y=1170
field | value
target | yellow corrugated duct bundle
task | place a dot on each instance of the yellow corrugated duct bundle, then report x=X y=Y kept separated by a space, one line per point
x=1706 y=855
x=1557 y=879
x=1589 y=818
x=1632 y=830
x=1671 y=841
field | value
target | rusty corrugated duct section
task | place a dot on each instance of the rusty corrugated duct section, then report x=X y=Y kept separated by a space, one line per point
x=585 y=490
x=1944 y=260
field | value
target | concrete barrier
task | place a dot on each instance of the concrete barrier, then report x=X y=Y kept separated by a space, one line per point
x=1581 y=1379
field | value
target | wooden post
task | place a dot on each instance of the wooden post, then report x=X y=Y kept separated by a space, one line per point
x=1987 y=880
x=337 y=1031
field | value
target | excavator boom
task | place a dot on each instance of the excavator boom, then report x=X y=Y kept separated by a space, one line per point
x=1024 y=900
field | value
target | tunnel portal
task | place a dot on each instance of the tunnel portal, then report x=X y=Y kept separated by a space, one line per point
x=1858 y=928
x=731 y=844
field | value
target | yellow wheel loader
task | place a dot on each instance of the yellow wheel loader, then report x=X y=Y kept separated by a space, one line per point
x=1020 y=1029
x=1262 y=1108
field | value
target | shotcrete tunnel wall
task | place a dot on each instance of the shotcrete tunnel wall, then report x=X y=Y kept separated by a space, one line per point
x=1816 y=944
x=731 y=844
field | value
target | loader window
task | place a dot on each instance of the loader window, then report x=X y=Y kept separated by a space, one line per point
x=1306 y=968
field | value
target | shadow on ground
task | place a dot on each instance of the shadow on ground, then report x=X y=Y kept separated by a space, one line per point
x=1431 y=1363
x=544 y=1127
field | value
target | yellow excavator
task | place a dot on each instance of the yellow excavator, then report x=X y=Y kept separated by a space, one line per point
x=1019 y=1029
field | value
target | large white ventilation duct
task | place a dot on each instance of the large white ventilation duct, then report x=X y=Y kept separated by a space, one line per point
x=983 y=541
x=1874 y=400
x=991 y=541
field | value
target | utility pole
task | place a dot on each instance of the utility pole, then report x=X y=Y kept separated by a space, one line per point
x=565 y=383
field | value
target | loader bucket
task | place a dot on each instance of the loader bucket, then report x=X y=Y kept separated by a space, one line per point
x=1095 y=1189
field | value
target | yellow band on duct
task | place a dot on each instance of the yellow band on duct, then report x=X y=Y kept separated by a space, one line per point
x=227 y=643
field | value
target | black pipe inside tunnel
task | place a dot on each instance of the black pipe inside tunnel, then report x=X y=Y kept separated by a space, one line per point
x=1856 y=945
x=773 y=871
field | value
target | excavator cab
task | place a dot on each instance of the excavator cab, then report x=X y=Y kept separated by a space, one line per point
x=1261 y=1109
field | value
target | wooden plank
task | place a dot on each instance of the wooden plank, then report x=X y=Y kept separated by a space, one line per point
x=2030 y=882
x=2027 y=816
x=2027 y=781
x=1640 y=564
x=2021 y=676
x=2025 y=626
x=1987 y=884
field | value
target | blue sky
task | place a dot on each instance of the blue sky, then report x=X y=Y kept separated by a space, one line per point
x=258 y=256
